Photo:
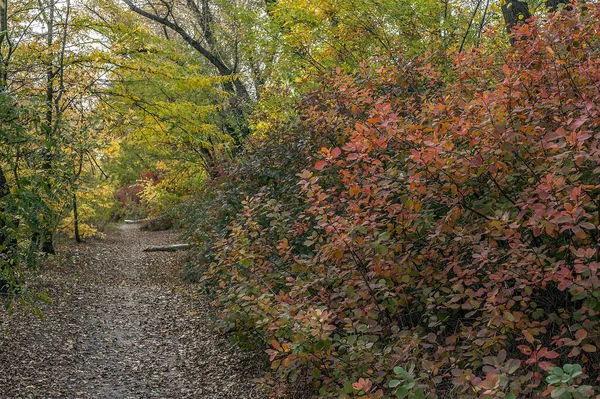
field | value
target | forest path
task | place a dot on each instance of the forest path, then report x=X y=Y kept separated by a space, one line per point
x=121 y=325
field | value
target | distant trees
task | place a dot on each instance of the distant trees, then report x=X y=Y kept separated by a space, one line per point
x=221 y=32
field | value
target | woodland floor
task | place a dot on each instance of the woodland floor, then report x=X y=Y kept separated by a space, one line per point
x=121 y=325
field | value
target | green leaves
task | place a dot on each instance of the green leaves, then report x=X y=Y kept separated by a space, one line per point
x=406 y=384
x=361 y=229
x=563 y=382
x=394 y=383
x=565 y=375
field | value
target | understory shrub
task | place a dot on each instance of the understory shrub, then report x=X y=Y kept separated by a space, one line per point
x=418 y=234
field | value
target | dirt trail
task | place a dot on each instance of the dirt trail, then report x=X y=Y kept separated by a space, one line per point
x=121 y=325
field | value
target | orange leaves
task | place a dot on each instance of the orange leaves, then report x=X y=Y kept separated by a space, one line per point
x=528 y=336
x=331 y=155
x=363 y=384
x=581 y=334
x=354 y=190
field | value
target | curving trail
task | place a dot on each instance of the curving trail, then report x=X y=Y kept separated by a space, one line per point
x=121 y=325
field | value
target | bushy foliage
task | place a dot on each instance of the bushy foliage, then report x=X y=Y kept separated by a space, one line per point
x=97 y=207
x=25 y=203
x=414 y=234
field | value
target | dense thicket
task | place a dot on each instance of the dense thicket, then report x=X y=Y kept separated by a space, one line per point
x=420 y=231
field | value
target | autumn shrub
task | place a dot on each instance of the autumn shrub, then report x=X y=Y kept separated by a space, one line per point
x=269 y=166
x=443 y=240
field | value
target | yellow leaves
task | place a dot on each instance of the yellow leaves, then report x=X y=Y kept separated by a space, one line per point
x=113 y=149
x=201 y=81
x=261 y=128
x=338 y=253
x=509 y=316
x=184 y=111
x=453 y=189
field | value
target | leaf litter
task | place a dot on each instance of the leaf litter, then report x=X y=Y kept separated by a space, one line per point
x=121 y=324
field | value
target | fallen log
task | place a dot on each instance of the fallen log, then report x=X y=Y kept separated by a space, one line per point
x=168 y=248
x=135 y=221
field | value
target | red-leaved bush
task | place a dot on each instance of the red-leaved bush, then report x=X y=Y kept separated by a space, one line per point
x=446 y=239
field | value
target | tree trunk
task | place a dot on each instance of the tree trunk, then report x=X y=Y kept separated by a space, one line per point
x=45 y=235
x=4 y=236
x=76 y=219
x=3 y=38
x=515 y=12
x=553 y=4
x=7 y=242
x=50 y=71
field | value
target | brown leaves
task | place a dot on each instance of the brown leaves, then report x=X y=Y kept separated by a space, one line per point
x=589 y=348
